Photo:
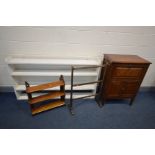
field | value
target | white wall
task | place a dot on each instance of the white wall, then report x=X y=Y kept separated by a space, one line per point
x=76 y=42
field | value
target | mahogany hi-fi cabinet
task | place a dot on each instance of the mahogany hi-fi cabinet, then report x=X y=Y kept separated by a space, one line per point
x=123 y=77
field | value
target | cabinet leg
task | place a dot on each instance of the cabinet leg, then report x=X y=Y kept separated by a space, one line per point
x=131 y=101
x=98 y=101
x=103 y=101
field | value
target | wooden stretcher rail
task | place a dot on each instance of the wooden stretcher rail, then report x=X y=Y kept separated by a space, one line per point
x=85 y=96
x=81 y=84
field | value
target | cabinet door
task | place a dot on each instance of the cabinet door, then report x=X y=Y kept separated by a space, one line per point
x=129 y=88
x=114 y=88
x=122 y=88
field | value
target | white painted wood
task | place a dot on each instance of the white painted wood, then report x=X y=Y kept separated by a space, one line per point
x=44 y=61
x=67 y=87
x=24 y=96
x=50 y=73
x=64 y=69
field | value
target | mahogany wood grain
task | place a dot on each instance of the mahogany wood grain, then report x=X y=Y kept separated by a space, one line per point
x=44 y=86
x=47 y=107
x=124 y=75
x=127 y=72
x=46 y=97
x=118 y=58
x=53 y=94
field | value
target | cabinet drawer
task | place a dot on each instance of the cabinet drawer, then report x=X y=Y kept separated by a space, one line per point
x=127 y=72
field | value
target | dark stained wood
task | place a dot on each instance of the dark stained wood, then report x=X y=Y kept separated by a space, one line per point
x=124 y=75
x=62 y=88
x=73 y=68
x=115 y=88
x=47 y=107
x=122 y=88
x=118 y=58
x=85 y=96
x=44 y=86
x=81 y=84
x=46 y=97
x=127 y=72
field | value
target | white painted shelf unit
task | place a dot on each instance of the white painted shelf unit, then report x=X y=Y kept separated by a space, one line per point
x=43 y=70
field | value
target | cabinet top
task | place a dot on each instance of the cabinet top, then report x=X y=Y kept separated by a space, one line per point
x=118 y=58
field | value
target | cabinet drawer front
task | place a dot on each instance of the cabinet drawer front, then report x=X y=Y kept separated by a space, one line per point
x=127 y=72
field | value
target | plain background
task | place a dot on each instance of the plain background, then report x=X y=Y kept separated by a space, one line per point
x=76 y=42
